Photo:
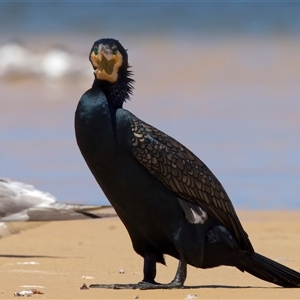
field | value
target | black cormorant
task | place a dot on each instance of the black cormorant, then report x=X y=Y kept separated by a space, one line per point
x=167 y=198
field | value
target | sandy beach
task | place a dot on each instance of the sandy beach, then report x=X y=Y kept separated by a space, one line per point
x=221 y=77
x=57 y=258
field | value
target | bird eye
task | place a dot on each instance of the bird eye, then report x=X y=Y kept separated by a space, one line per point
x=114 y=49
x=96 y=50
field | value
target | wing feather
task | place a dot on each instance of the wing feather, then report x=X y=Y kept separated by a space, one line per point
x=185 y=174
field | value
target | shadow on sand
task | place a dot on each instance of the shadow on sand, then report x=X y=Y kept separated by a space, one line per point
x=32 y=256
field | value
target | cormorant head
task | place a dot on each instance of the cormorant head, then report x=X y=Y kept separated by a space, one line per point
x=109 y=59
x=110 y=62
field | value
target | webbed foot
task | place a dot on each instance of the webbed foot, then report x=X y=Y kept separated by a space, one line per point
x=142 y=285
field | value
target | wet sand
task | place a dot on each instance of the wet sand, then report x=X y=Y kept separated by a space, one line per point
x=55 y=257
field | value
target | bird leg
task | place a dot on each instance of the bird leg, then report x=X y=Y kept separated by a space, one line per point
x=149 y=268
x=176 y=283
x=148 y=283
x=149 y=275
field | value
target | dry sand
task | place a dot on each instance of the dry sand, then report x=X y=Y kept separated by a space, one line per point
x=56 y=256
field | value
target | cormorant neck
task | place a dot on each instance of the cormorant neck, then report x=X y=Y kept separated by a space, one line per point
x=116 y=93
x=113 y=92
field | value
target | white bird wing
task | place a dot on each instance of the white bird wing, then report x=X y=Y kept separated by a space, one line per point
x=22 y=202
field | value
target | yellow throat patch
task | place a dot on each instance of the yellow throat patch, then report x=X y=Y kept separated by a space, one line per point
x=106 y=64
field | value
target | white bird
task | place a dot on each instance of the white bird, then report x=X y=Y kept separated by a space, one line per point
x=20 y=202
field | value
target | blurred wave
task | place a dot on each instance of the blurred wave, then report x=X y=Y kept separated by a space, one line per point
x=18 y=61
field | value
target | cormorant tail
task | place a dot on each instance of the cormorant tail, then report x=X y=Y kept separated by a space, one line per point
x=271 y=271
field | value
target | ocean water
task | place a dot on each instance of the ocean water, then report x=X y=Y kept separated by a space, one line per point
x=222 y=78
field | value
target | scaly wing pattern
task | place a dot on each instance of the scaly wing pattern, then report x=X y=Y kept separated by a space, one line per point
x=186 y=175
